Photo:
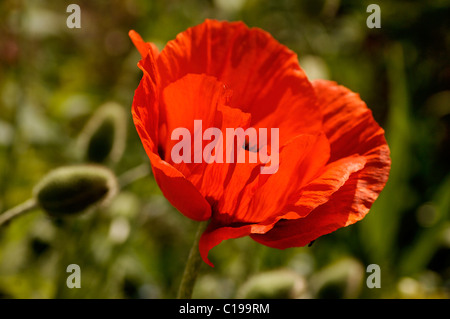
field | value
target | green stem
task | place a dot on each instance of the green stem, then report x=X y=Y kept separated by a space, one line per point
x=134 y=174
x=18 y=210
x=192 y=268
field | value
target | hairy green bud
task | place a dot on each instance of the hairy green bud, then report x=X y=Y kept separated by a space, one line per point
x=274 y=284
x=72 y=189
x=341 y=279
x=103 y=138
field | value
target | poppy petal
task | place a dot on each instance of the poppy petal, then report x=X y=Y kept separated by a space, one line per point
x=142 y=46
x=145 y=108
x=214 y=235
x=193 y=97
x=176 y=188
x=268 y=200
x=179 y=191
x=352 y=131
x=264 y=75
x=300 y=160
x=213 y=179
x=339 y=211
x=347 y=121
x=319 y=191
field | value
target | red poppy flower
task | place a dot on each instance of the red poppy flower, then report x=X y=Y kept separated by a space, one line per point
x=333 y=157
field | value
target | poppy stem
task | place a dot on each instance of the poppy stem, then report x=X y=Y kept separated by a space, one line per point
x=193 y=265
x=134 y=174
x=18 y=210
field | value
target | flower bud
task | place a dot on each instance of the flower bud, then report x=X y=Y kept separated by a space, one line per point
x=103 y=138
x=341 y=279
x=275 y=284
x=72 y=189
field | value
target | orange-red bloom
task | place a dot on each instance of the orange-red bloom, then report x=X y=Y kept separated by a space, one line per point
x=333 y=157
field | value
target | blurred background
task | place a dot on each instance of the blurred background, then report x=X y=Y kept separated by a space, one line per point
x=65 y=98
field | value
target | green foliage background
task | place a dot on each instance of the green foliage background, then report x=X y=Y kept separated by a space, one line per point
x=53 y=81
